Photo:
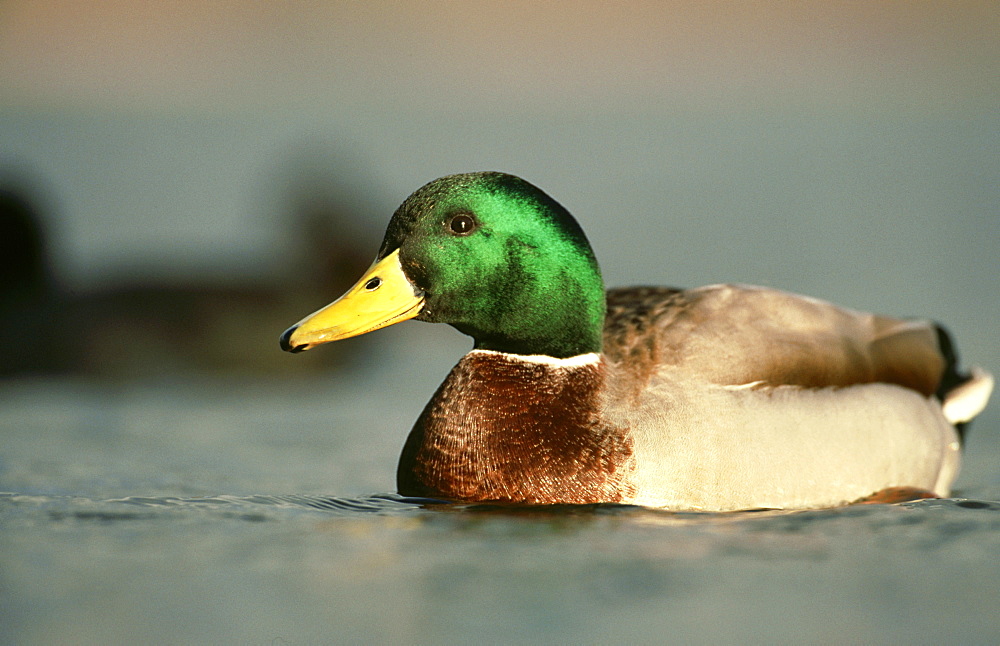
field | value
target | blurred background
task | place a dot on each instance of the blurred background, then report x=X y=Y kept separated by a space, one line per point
x=181 y=181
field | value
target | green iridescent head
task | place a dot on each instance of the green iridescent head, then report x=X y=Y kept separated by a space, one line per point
x=501 y=261
x=487 y=253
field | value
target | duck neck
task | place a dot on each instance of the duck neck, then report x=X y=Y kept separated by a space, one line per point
x=516 y=428
x=538 y=319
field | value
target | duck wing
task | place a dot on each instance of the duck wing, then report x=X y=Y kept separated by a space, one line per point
x=739 y=335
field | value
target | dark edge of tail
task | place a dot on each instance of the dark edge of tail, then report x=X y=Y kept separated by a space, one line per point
x=951 y=377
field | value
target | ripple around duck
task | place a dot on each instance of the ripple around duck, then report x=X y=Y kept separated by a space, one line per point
x=261 y=507
x=373 y=504
x=253 y=508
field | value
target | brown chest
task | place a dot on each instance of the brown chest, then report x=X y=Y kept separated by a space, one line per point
x=504 y=429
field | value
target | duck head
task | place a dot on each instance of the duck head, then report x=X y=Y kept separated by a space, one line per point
x=487 y=253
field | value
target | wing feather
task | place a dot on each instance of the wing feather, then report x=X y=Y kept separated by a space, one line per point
x=736 y=334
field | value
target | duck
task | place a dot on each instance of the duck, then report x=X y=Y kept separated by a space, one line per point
x=719 y=398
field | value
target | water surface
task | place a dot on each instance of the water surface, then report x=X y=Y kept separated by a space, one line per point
x=260 y=513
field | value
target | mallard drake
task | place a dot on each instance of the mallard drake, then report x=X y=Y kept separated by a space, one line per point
x=724 y=397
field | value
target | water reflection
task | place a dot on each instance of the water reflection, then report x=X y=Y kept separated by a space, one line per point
x=395 y=569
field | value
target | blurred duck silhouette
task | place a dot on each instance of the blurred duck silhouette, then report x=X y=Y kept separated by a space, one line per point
x=150 y=328
x=31 y=305
x=163 y=327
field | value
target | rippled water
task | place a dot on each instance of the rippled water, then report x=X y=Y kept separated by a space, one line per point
x=242 y=513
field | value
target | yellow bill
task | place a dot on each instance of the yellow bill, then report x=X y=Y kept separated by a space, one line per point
x=383 y=296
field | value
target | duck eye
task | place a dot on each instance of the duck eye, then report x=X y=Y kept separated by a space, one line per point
x=462 y=224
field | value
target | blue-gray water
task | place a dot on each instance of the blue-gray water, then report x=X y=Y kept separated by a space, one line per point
x=260 y=512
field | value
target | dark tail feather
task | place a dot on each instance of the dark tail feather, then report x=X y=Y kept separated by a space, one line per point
x=951 y=378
